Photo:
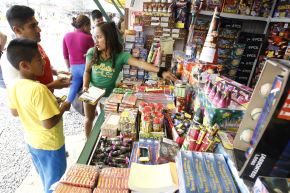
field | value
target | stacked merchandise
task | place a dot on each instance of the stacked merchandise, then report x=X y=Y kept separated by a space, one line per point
x=134 y=43
x=127 y=123
x=152 y=120
x=119 y=100
x=253 y=44
x=278 y=46
x=261 y=8
x=222 y=102
x=203 y=172
x=278 y=41
x=227 y=36
x=113 y=180
x=79 y=178
x=282 y=9
x=200 y=30
x=243 y=7
x=200 y=138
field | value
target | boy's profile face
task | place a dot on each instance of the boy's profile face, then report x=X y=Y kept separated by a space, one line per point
x=98 y=21
x=37 y=65
x=29 y=30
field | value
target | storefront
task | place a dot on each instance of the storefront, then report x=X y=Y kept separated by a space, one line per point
x=221 y=127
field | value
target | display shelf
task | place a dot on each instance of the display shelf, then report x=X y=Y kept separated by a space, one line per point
x=90 y=144
x=236 y=16
x=280 y=19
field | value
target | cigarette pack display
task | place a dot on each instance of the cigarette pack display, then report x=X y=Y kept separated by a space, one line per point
x=64 y=188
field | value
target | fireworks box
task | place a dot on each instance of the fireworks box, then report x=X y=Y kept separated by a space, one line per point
x=262 y=144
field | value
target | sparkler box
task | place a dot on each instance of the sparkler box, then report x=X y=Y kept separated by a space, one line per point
x=203 y=172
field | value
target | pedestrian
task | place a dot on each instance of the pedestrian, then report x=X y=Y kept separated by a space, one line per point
x=104 y=63
x=75 y=46
x=38 y=110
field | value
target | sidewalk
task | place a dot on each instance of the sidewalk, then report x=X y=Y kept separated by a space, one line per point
x=74 y=145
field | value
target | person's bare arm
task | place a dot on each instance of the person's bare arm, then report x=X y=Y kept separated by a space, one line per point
x=14 y=112
x=87 y=76
x=51 y=122
x=58 y=84
x=151 y=68
x=67 y=64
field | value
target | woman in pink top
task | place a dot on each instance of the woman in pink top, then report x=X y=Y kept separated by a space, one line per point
x=75 y=46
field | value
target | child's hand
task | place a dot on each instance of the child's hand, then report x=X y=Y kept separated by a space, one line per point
x=169 y=76
x=65 y=106
x=61 y=83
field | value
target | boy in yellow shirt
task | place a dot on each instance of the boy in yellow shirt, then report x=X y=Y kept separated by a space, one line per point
x=38 y=110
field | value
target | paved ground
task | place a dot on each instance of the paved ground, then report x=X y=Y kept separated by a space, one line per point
x=15 y=162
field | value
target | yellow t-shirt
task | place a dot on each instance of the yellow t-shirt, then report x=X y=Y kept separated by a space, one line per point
x=34 y=102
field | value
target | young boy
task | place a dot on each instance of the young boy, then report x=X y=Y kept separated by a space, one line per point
x=38 y=110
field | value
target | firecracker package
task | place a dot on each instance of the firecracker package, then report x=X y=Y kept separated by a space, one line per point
x=114 y=179
x=271 y=184
x=282 y=9
x=222 y=102
x=278 y=40
x=230 y=6
x=114 y=152
x=261 y=8
x=264 y=157
x=203 y=172
x=111 y=125
x=64 y=188
x=200 y=138
x=152 y=147
x=245 y=7
x=168 y=151
x=81 y=176
x=250 y=54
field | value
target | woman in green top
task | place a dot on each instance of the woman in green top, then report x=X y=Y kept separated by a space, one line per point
x=104 y=62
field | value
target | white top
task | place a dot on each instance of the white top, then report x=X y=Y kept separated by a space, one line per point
x=8 y=71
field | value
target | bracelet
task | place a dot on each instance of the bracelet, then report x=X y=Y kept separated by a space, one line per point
x=160 y=72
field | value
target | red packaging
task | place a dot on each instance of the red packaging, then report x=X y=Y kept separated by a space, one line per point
x=64 y=188
x=201 y=135
x=206 y=143
x=193 y=134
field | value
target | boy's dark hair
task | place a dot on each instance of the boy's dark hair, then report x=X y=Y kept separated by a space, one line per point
x=113 y=44
x=18 y=15
x=21 y=49
x=96 y=14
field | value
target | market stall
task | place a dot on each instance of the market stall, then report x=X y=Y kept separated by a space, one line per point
x=211 y=131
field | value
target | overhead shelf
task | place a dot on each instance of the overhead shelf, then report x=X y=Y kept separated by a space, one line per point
x=236 y=16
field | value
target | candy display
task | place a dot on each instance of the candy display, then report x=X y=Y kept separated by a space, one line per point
x=81 y=176
x=114 y=152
